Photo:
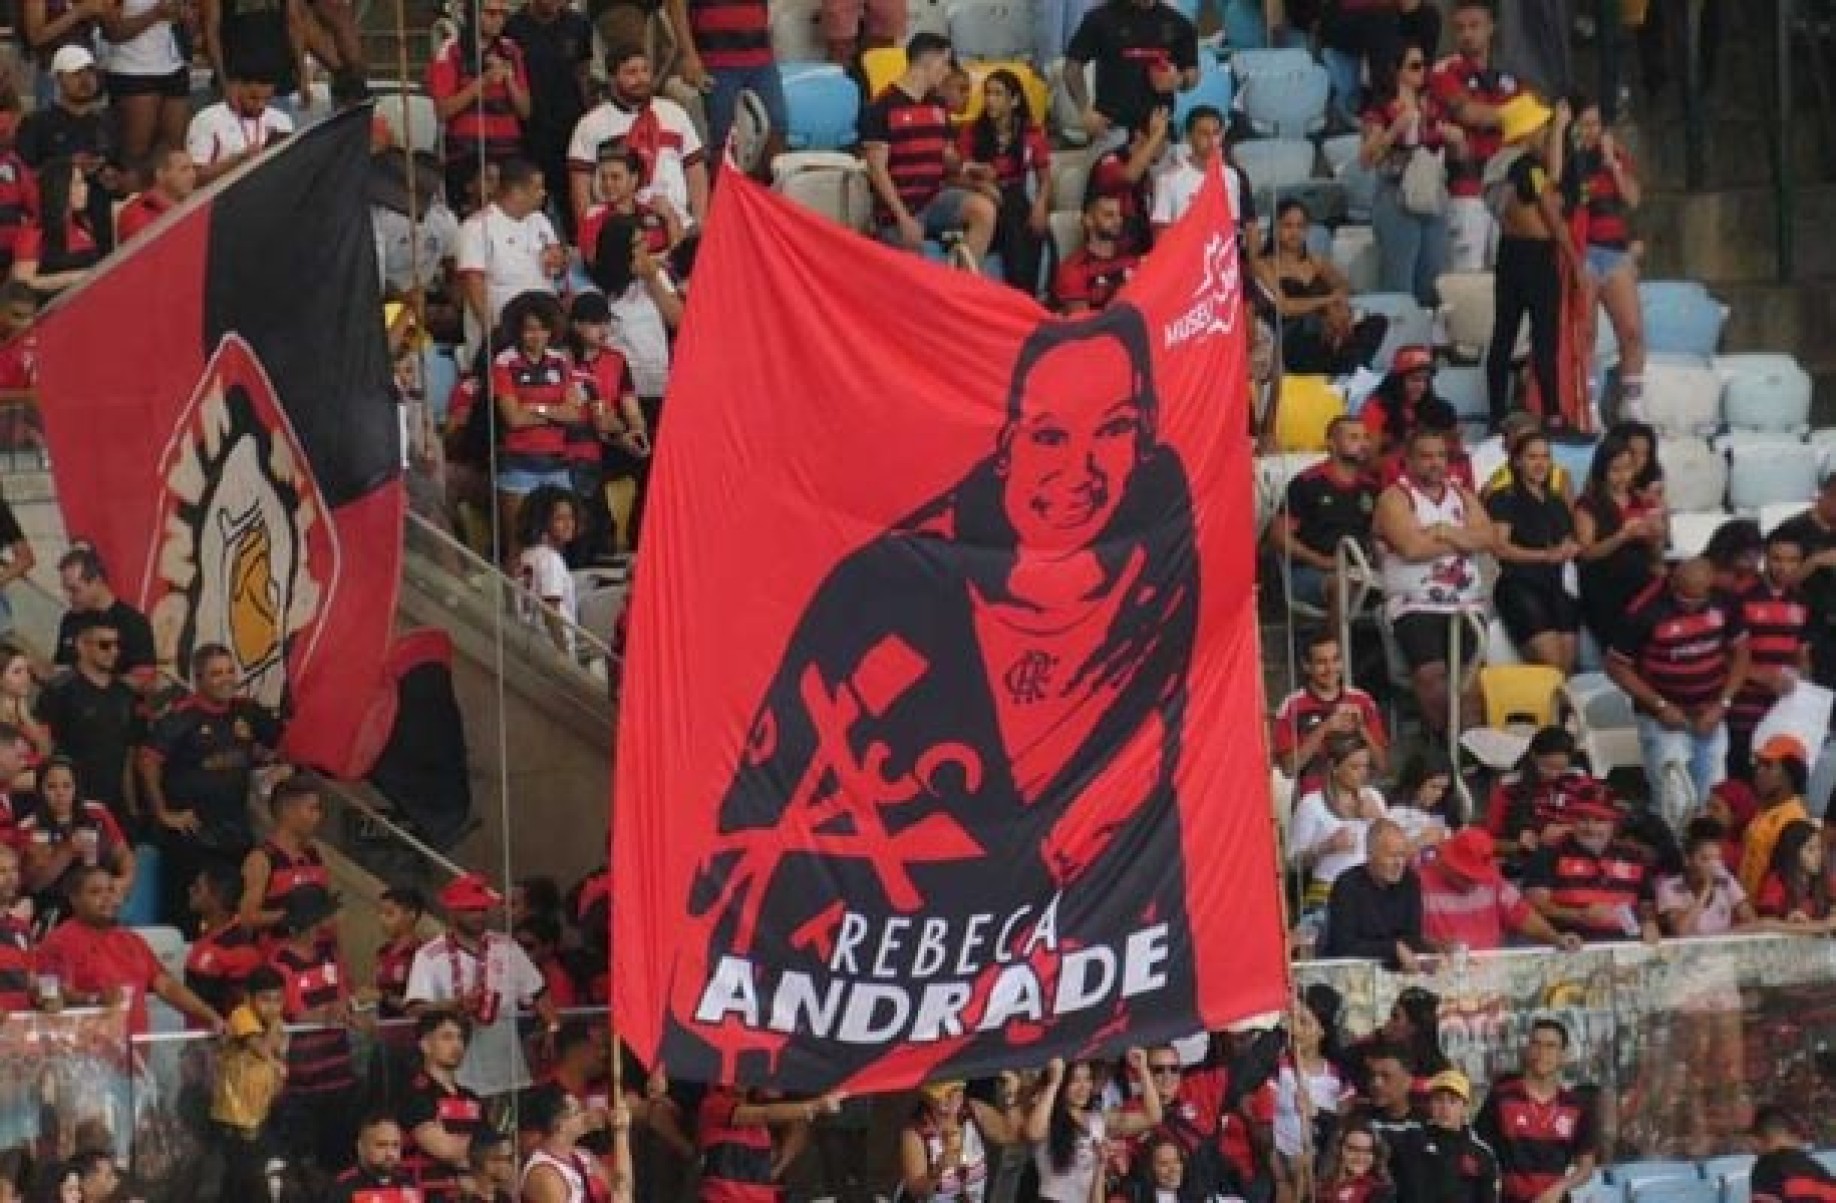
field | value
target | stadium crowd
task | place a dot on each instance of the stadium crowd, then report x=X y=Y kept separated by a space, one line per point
x=549 y=243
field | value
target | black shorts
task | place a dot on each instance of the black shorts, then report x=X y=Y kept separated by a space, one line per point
x=176 y=86
x=1530 y=608
x=1422 y=639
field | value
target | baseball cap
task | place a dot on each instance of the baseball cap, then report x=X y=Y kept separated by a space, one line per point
x=1414 y=358
x=470 y=892
x=70 y=59
x=1784 y=747
x=1453 y=1082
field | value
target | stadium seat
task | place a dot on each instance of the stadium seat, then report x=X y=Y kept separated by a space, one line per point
x=1067 y=234
x=1319 y=241
x=1682 y=393
x=1038 y=95
x=1288 y=105
x=1691 y=530
x=1632 y=1174
x=1070 y=177
x=419 y=129
x=830 y=183
x=796 y=32
x=1600 y=715
x=1732 y=1165
x=1245 y=25
x=1273 y=472
x=1679 y=1190
x=881 y=66
x=1308 y=404
x=1500 y=652
x=1519 y=694
x=1467 y=305
x=1215 y=87
x=926 y=16
x=1409 y=322
x=1272 y=164
x=1764 y=392
x=1576 y=457
x=168 y=945
x=991 y=29
x=1771 y=517
x=821 y=102
x=1695 y=476
x=141 y=907
x=1354 y=252
x=1771 y=474
x=1680 y=317
x=1596 y=1190
x=1727 y=440
x=439 y=376
x=1463 y=387
x=1248 y=63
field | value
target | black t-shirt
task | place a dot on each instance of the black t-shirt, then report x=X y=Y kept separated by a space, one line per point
x=58 y=133
x=1819 y=590
x=207 y=753
x=98 y=727
x=553 y=52
x=1791 y=1176
x=1323 y=509
x=1126 y=40
x=1538 y=525
x=135 y=631
x=358 y=1185
x=458 y=1112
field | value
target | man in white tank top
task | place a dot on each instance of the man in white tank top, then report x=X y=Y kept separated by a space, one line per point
x=1430 y=535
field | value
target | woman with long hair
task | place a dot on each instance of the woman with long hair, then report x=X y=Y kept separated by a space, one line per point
x=547 y=524
x=1423 y=802
x=1068 y=1127
x=1006 y=154
x=148 y=74
x=943 y=1148
x=1404 y=120
x=1414 y=1025
x=1326 y=836
x=1309 y=1094
x=1620 y=538
x=71 y=235
x=1357 y=1168
x=1319 y=333
x=1535 y=544
x=1794 y=888
x=480 y=89
x=1524 y=811
x=64 y=834
x=18 y=689
x=1601 y=188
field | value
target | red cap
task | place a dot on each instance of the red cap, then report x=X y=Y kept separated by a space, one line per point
x=1784 y=747
x=1412 y=358
x=1470 y=853
x=470 y=892
x=1591 y=800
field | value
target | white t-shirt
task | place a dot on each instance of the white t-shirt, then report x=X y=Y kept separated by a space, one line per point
x=1324 y=1087
x=642 y=336
x=494 y=1062
x=508 y=254
x=678 y=147
x=544 y=573
x=1314 y=824
x=396 y=245
x=1075 y=1184
x=152 y=51
x=219 y=131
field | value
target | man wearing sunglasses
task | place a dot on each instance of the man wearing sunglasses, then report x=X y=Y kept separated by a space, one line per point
x=95 y=717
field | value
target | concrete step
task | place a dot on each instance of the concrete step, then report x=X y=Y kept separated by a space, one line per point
x=1737 y=152
x=1728 y=236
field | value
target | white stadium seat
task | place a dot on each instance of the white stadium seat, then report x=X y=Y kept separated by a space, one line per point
x=1771 y=474
x=1682 y=394
x=1467 y=306
x=1695 y=475
x=1764 y=392
x=1691 y=530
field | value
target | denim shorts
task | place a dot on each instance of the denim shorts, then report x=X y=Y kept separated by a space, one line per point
x=941 y=215
x=520 y=482
x=1603 y=261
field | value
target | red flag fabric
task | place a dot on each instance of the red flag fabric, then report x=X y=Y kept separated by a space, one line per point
x=941 y=744
x=222 y=430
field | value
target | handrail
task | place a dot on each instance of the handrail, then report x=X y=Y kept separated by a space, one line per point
x=400 y=834
x=477 y=563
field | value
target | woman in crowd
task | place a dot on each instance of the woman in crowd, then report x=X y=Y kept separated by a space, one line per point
x=1535 y=545
x=64 y=834
x=17 y=690
x=1357 y=1167
x=149 y=74
x=71 y=235
x=1647 y=470
x=1794 y=888
x=1735 y=549
x=1067 y=1126
x=943 y=1149
x=1393 y=411
x=1525 y=809
x=536 y=400
x=619 y=177
x=1415 y=1026
x=1731 y=805
x=1309 y=1094
x=558 y=1170
x=1620 y=538
x=1327 y=834
x=1319 y=334
x=1601 y=188
x=1423 y=802
x=1006 y=154
x=1405 y=121
x=549 y=521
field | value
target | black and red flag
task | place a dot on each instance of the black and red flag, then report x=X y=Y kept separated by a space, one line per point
x=222 y=429
x=941 y=743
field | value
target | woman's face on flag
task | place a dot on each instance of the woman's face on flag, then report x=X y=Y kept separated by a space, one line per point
x=1074 y=446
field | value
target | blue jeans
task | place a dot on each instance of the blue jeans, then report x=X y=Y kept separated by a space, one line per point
x=1346 y=72
x=1411 y=249
x=723 y=101
x=1704 y=757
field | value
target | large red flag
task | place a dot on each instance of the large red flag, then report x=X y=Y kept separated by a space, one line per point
x=222 y=427
x=941 y=746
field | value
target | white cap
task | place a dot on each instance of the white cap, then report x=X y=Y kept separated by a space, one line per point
x=70 y=59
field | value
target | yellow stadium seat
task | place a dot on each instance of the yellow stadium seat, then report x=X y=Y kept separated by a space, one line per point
x=1519 y=694
x=1307 y=407
x=1038 y=95
x=882 y=65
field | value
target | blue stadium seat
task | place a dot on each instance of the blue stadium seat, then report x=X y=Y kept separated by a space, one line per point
x=141 y=907
x=1215 y=87
x=1245 y=25
x=1632 y=1174
x=1575 y=458
x=822 y=103
x=1409 y=322
x=1764 y=392
x=1677 y=1191
x=1245 y=64
x=1826 y=1158
x=1463 y=387
x=1734 y=1174
x=1289 y=104
x=991 y=29
x=439 y=376
x=1274 y=163
x=1681 y=316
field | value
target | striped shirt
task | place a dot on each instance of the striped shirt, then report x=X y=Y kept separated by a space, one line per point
x=1777 y=623
x=318 y=1062
x=1619 y=877
x=543 y=446
x=490 y=120
x=1536 y=1140
x=916 y=134
x=731 y=34
x=1682 y=653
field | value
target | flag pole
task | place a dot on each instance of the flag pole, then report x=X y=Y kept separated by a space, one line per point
x=408 y=167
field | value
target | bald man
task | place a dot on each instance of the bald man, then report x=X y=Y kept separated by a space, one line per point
x=1682 y=656
x=1374 y=912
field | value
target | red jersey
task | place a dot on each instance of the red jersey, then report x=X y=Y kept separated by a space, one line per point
x=18 y=201
x=16 y=963
x=1014 y=162
x=393 y=961
x=29 y=244
x=457 y=1111
x=1302 y=711
x=650 y=224
x=219 y=962
x=19 y=360
x=1109 y=177
x=916 y=134
x=1777 y=623
x=544 y=381
x=287 y=873
x=1605 y=216
x=491 y=119
x=319 y=1061
x=731 y=34
x=735 y=1158
x=1621 y=877
x=98 y=960
x=145 y=209
x=1092 y=280
x=1454 y=80
x=1536 y=1140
